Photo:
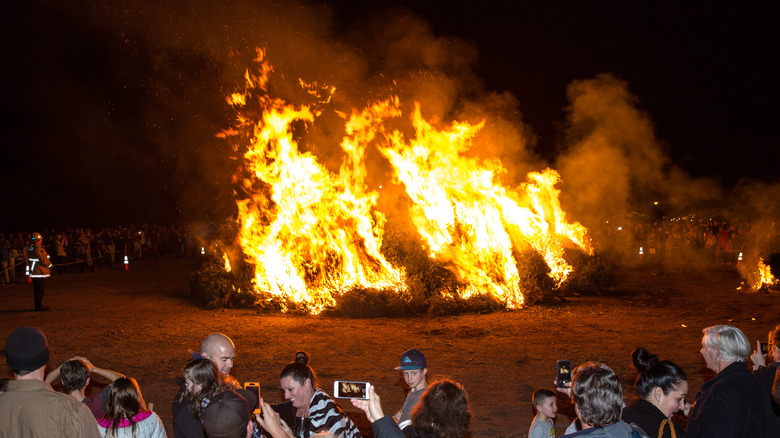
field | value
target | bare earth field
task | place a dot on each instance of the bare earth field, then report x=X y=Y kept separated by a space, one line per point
x=142 y=322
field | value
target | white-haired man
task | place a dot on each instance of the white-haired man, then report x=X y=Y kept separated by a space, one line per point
x=731 y=404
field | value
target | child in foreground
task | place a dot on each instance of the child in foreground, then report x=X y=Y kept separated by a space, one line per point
x=546 y=405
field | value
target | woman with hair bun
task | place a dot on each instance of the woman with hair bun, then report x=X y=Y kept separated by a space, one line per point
x=662 y=387
x=315 y=410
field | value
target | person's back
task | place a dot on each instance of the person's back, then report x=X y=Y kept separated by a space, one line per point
x=30 y=408
x=126 y=413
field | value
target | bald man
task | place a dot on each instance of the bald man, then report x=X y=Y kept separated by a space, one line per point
x=220 y=350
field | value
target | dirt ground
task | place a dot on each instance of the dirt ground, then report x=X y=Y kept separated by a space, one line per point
x=142 y=322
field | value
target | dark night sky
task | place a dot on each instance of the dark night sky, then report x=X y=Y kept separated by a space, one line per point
x=95 y=132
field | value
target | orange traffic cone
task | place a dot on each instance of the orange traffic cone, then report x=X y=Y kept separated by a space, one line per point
x=739 y=259
x=127 y=264
x=27 y=280
x=641 y=253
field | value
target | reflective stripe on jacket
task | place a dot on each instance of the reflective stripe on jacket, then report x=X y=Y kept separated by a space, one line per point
x=39 y=262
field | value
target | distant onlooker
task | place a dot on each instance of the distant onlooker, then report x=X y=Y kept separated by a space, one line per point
x=598 y=402
x=546 y=405
x=766 y=374
x=731 y=404
x=126 y=413
x=74 y=374
x=443 y=412
x=40 y=269
x=662 y=387
x=5 y=246
x=29 y=407
x=414 y=366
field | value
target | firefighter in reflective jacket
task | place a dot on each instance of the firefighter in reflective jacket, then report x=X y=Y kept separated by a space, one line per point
x=40 y=269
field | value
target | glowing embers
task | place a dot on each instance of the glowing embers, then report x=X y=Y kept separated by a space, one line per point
x=760 y=279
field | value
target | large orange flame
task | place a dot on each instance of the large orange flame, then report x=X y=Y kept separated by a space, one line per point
x=470 y=220
x=312 y=234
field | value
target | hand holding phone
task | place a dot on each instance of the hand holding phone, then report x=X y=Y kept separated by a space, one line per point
x=254 y=387
x=563 y=373
x=351 y=389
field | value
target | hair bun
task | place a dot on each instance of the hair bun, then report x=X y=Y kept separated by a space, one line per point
x=643 y=360
x=302 y=358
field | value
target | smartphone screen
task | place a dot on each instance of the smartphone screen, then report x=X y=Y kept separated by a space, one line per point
x=764 y=348
x=254 y=387
x=563 y=373
x=349 y=389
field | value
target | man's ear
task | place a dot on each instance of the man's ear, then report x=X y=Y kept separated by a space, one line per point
x=249 y=429
x=425 y=371
x=204 y=355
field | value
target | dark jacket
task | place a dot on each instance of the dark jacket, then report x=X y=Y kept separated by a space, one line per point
x=386 y=427
x=766 y=376
x=730 y=405
x=185 y=423
x=645 y=415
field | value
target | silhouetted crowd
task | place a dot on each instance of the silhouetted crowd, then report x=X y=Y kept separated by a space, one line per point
x=86 y=250
x=736 y=403
x=688 y=238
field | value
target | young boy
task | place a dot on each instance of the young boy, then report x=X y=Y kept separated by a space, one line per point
x=75 y=375
x=546 y=406
x=414 y=366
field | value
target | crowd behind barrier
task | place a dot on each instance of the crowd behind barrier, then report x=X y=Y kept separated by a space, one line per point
x=86 y=250
x=736 y=403
x=683 y=239
x=688 y=238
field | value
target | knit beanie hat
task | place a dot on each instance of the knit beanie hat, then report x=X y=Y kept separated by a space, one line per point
x=26 y=349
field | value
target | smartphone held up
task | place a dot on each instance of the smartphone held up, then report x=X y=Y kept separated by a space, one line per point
x=254 y=388
x=351 y=389
x=563 y=373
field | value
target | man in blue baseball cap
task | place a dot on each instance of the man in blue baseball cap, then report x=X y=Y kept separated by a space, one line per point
x=414 y=367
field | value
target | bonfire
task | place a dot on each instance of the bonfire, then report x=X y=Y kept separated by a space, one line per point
x=311 y=234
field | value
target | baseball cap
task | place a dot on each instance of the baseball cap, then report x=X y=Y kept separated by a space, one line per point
x=412 y=359
x=26 y=349
x=228 y=413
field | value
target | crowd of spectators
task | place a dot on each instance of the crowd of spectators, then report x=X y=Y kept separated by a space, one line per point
x=736 y=403
x=86 y=250
x=687 y=238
